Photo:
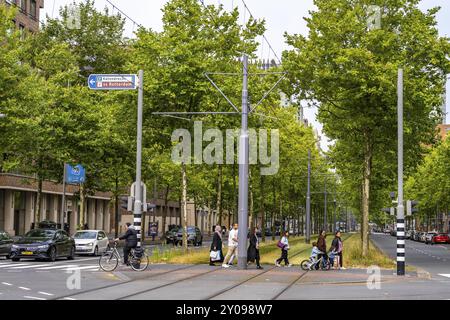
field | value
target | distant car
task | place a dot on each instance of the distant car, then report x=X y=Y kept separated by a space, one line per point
x=387 y=231
x=408 y=234
x=91 y=242
x=393 y=233
x=194 y=236
x=429 y=237
x=171 y=235
x=44 y=244
x=422 y=237
x=416 y=235
x=440 y=238
x=5 y=244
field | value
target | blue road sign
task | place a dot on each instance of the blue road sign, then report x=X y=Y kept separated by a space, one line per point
x=75 y=174
x=113 y=82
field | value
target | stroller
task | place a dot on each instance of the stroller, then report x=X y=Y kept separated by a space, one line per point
x=315 y=263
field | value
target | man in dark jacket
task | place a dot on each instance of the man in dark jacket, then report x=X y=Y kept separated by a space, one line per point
x=130 y=238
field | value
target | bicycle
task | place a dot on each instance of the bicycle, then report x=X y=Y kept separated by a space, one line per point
x=110 y=259
x=322 y=263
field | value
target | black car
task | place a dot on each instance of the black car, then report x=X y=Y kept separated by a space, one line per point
x=5 y=244
x=194 y=236
x=44 y=244
x=171 y=235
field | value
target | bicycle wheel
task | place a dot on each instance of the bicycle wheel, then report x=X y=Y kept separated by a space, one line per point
x=305 y=265
x=139 y=263
x=108 y=261
x=327 y=265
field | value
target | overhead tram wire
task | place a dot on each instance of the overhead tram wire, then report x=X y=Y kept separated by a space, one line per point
x=124 y=14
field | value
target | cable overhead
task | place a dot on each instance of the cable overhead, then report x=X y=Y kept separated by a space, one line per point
x=124 y=14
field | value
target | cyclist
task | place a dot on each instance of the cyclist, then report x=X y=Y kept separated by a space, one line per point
x=130 y=238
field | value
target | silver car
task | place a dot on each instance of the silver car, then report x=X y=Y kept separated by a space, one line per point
x=429 y=237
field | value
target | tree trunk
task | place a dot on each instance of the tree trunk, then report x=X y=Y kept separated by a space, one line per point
x=366 y=196
x=262 y=211
x=235 y=193
x=184 y=206
x=38 y=203
x=219 y=193
x=165 y=212
x=82 y=205
x=209 y=219
x=250 y=211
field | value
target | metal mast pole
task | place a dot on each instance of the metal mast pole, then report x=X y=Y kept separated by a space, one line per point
x=138 y=191
x=400 y=208
x=243 y=173
x=308 y=201
x=63 y=211
x=325 y=224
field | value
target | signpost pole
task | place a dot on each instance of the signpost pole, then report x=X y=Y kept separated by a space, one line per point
x=63 y=211
x=138 y=191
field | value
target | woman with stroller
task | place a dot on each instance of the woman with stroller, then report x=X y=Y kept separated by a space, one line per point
x=336 y=250
x=216 y=245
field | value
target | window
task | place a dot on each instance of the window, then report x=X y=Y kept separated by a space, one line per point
x=33 y=11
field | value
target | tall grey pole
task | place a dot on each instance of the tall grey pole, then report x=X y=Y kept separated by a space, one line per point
x=138 y=191
x=243 y=173
x=400 y=208
x=308 y=201
x=63 y=209
x=325 y=224
x=334 y=217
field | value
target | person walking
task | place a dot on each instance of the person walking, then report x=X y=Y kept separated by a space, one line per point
x=253 y=249
x=216 y=245
x=336 y=247
x=284 y=245
x=322 y=246
x=130 y=238
x=232 y=246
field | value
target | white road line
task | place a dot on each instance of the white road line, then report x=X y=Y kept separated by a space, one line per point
x=7 y=284
x=57 y=267
x=13 y=265
x=46 y=293
x=69 y=298
x=35 y=298
x=447 y=275
x=81 y=268
x=25 y=288
x=30 y=266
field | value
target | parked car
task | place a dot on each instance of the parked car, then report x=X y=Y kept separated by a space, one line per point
x=91 y=242
x=44 y=244
x=387 y=231
x=416 y=235
x=408 y=234
x=194 y=236
x=393 y=233
x=440 y=238
x=5 y=244
x=422 y=236
x=171 y=235
x=429 y=236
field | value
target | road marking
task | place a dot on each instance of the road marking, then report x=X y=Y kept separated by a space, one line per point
x=58 y=267
x=69 y=298
x=82 y=268
x=12 y=265
x=35 y=298
x=30 y=266
x=25 y=288
x=447 y=275
x=7 y=284
x=46 y=293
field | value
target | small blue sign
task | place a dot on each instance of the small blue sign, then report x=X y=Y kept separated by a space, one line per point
x=113 y=81
x=76 y=174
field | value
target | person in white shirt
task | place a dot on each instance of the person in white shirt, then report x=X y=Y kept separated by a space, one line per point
x=232 y=246
x=284 y=251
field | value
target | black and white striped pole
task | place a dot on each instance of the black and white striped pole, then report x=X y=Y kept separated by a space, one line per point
x=138 y=200
x=400 y=207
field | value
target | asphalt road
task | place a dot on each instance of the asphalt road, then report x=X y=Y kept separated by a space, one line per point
x=81 y=279
x=435 y=259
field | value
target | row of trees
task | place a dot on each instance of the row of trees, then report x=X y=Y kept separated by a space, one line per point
x=53 y=118
x=349 y=70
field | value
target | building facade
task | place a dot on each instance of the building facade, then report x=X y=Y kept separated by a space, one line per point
x=18 y=199
x=28 y=13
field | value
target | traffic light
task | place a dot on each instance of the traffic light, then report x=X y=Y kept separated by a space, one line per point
x=126 y=203
x=150 y=207
x=410 y=204
x=391 y=211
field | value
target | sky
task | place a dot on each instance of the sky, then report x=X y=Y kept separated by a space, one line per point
x=281 y=16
